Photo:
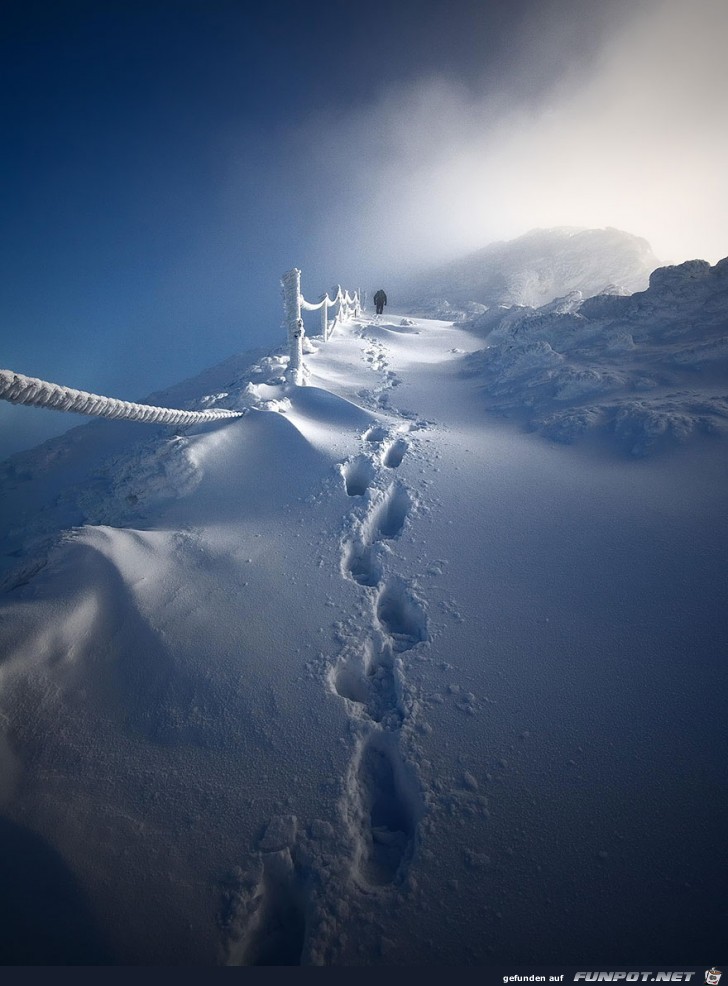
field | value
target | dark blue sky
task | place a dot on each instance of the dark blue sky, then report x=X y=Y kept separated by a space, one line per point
x=165 y=161
x=147 y=203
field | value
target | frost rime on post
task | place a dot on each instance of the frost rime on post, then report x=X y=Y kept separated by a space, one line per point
x=291 y=285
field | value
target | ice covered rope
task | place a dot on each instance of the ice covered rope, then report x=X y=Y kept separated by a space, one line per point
x=19 y=389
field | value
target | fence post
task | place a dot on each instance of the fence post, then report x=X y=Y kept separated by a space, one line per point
x=291 y=285
x=340 y=298
x=325 y=318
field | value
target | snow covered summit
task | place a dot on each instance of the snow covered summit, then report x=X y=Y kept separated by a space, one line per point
x=365 y=677
x=535 y=268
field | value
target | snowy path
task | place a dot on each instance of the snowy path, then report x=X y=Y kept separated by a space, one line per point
x=368 y=678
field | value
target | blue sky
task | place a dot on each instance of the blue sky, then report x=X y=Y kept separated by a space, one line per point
x=166 y=160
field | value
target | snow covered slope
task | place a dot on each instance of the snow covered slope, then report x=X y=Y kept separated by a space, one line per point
x=533 y=270
x=366 y=677
x=641 y=371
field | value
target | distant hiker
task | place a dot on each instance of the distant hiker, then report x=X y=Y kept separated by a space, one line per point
x=380 y=300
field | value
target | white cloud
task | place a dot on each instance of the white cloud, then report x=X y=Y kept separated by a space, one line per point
x=637 y=140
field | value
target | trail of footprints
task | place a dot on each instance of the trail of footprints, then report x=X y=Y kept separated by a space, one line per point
x=383 y=801
x=266 y=915
x=370 y=673
x=376 y=356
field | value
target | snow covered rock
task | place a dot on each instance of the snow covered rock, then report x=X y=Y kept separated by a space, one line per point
x=644 y=371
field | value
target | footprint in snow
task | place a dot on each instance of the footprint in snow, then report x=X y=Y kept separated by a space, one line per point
x=360 y=562
x=268 y=915
x=386 y=812
x=384 y=522
x=366 y=677
x=401 y=616
x=394 y=454
x=375 y=435
x=386 y=518
x=358 y=474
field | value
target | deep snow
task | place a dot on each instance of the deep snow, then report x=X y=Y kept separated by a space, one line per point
x=366 y=677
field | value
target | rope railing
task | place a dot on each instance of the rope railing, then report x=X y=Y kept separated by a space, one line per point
x=294 y=303
x=19 y=389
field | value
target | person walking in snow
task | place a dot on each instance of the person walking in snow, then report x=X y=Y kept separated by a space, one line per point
x=380 y=300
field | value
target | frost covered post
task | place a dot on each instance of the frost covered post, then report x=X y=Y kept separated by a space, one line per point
x=325 y=318
x=340 y=299
x=291 y=285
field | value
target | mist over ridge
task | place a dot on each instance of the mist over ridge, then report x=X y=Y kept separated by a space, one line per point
x=533 y=270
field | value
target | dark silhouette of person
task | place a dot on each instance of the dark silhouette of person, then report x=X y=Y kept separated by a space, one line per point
x=380 y=300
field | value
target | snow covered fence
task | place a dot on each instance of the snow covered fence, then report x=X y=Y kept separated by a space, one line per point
x=19 y=389
x=294 y=303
